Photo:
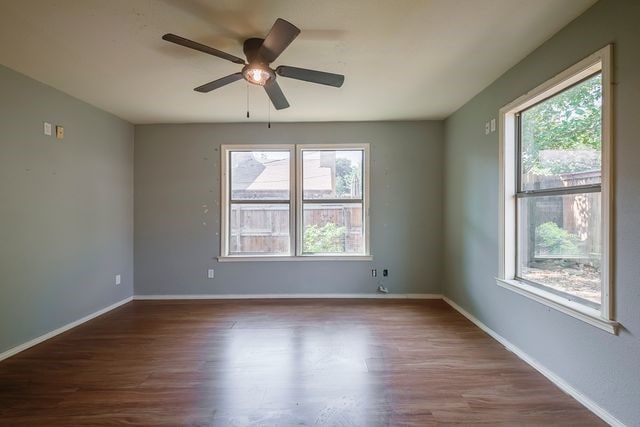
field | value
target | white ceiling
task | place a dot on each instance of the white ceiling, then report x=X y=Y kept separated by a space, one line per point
x=403 y=59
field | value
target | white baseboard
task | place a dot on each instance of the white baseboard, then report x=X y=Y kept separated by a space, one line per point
x=561 y=383
x=41 y=338
x=283 y=296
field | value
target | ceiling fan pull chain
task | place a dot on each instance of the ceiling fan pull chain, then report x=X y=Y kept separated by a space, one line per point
x=247 y=100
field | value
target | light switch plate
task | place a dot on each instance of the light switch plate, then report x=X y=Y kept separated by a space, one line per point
x=210 y=273
x=59 y=132
x=493 y=125
x=47 y=128
x=487 y=128
x=118 y=279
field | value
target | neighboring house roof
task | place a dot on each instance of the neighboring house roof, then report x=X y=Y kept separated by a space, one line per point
x=253 y=175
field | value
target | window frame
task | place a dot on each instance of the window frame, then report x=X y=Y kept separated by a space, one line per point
x=227 y=202
x=300 y=196
x=295 y=202
x=510 y=192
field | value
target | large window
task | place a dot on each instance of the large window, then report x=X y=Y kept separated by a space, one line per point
x=304 y=202
x=556 y=187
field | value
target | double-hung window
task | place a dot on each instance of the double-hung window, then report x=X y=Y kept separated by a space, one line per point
x=258 y=211
x=556 y=188
x=295 y=202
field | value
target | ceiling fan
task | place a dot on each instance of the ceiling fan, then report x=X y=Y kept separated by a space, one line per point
x=257 y=69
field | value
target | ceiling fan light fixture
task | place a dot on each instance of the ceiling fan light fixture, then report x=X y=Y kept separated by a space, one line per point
x=257 y=75
x=260 y=54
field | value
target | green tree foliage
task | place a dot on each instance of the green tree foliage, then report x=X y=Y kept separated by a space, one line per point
x=553 y=240
x=345 y=173
x=326 y=239
x=571 y=120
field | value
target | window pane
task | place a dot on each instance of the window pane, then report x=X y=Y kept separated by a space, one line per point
x=333 y=228
x=562 y=138
x=260 y=175
x=261 y=229
x=559 y=243
x=332 y=174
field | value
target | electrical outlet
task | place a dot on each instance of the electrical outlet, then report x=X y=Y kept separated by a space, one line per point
x=487 y=128
x=385 y=272
x=59 y=132
x=118 y=279
x=374 y=273
x=210 y=273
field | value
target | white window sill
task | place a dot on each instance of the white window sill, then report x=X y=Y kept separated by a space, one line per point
x=241 y=258
x=579 y=311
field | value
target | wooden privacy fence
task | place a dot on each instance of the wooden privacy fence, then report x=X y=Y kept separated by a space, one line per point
x=578 y=214
x=263 y=228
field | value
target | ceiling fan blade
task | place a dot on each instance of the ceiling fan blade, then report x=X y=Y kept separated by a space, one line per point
x=202 y=48
x=208 y=87
x=313 y=76
x=281 y=35
x=276 y=96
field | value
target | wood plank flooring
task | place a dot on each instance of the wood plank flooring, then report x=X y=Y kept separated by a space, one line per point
x=279 y=363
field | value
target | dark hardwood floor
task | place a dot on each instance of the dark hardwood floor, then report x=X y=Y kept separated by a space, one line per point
x=279 y=363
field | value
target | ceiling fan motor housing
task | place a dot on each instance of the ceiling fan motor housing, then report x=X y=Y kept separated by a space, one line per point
x=251 y=47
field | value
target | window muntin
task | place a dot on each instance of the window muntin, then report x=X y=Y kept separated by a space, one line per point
x=260 y=218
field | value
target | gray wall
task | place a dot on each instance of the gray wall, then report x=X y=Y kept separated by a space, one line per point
x=604 y=367
x=66 y=210
x=177 y=171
